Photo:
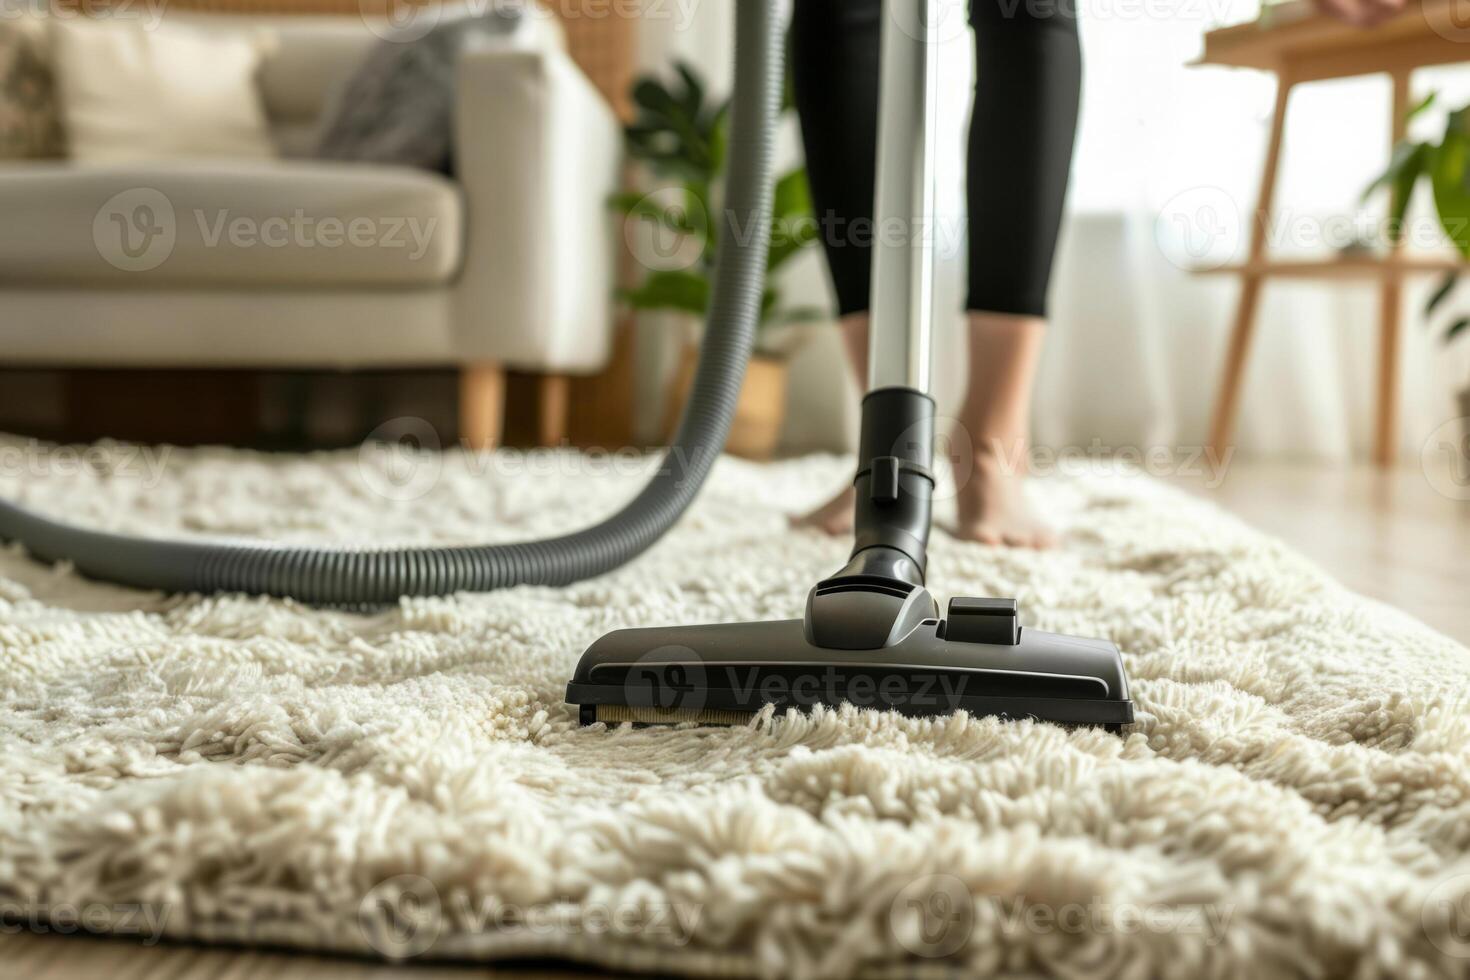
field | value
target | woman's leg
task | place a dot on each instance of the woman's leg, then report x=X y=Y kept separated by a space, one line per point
x=1028 y=79
x=835 y=50
x=1027 y=83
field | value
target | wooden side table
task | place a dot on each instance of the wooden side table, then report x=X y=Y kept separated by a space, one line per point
x=1299 y=45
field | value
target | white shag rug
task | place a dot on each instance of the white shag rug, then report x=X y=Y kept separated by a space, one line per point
x=1293 y=799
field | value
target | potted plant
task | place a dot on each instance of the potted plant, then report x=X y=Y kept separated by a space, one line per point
x=1446 y=164
x=679 y=135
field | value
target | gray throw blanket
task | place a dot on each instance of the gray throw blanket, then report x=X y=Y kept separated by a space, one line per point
x=398 y=107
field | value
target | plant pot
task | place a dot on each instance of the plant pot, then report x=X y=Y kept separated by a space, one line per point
x=759 y=414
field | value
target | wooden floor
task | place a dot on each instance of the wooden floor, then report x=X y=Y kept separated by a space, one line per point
x=1391 y=536
x=88 y=957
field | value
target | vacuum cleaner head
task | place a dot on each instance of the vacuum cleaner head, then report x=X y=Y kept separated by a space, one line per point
x=977 y=659
x=871 y=636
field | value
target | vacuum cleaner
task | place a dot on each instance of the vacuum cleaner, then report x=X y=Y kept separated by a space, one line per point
x=871 y=634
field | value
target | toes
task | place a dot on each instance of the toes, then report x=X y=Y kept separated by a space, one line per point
x=986 y=535
x=1039 y=539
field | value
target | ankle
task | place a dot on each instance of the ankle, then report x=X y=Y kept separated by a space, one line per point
x=992 y=444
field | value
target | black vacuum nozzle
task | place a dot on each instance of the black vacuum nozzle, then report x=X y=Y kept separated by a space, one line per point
x=977 y=659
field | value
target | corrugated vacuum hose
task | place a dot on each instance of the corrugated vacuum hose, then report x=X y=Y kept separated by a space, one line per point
x=345 y=576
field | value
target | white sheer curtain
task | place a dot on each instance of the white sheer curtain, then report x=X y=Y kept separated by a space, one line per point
x=1164 y=150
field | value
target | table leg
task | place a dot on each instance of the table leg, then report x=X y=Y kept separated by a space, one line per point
x=1390 y=312
x=1222 y=427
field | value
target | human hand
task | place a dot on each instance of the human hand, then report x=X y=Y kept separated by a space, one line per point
x=1360 y=13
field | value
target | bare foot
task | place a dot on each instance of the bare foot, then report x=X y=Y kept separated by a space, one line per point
x=835 y=516
x=993 y=510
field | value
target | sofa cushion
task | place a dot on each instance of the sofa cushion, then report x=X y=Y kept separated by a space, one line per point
x=130 y=92
x=207 y=223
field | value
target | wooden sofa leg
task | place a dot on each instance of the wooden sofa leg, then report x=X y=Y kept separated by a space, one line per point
x=553 y=402
x=481 y=404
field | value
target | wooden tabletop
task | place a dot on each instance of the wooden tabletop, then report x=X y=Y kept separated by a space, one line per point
x=1294 y=37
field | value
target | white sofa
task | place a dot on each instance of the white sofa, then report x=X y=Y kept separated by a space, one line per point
x=511 y=264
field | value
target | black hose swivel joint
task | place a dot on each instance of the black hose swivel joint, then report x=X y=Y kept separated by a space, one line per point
x=879 y=596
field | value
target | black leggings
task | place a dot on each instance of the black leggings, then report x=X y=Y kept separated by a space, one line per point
x=1028 y=79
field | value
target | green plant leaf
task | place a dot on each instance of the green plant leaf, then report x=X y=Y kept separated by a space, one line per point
x=654 y=96
x=674 y=289
x=693 y=96
x=793 y=197
x=635 y=205
x=1447 y=172
x=1403 y=189
x=672 y=131
x=719 y=138
x=1441 y=291
x=788 y=242
x=1456 y=328
x=697 y=203
x=1407 y=164
x=792 y=224
x=1457 y=122
x=1423 y=104
x=1403 y=156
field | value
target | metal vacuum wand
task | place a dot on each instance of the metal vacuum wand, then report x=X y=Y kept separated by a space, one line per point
x=895 y=480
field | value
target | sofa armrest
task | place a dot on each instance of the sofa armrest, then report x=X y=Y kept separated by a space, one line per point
x=538 y=151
